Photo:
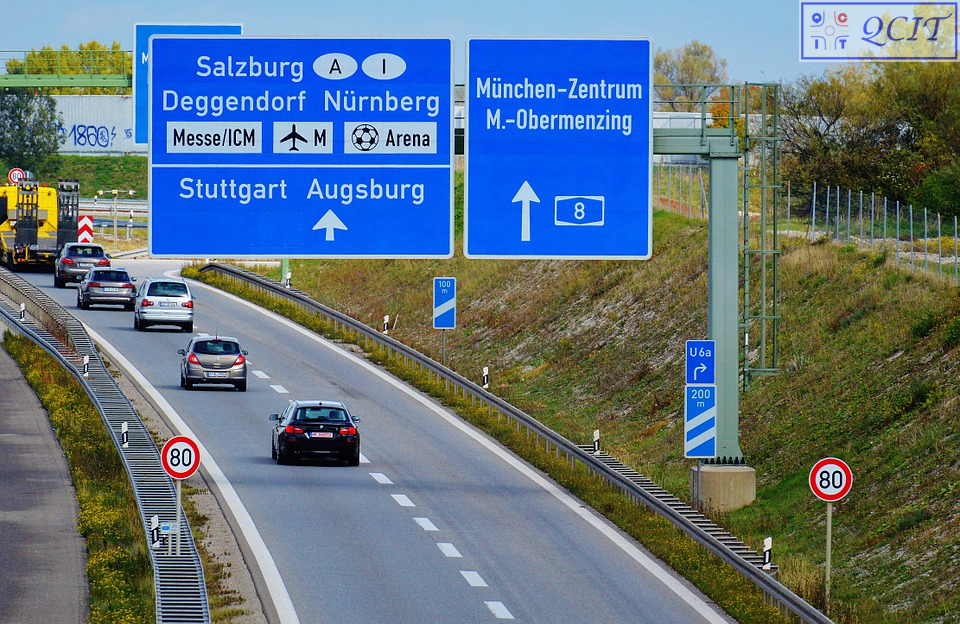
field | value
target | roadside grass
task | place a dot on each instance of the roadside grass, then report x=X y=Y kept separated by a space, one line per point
x=105 y=172
x=118 y=566
x=737 y=596
x=870 y=370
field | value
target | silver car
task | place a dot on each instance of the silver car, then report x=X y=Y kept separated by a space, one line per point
x=163 y=301
x=218 y=360
x=111 y=286
x=75 y=259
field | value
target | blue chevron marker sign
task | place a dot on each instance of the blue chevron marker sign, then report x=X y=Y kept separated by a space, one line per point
x=700 y=422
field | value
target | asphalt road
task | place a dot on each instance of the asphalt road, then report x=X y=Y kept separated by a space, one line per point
x=355 y=544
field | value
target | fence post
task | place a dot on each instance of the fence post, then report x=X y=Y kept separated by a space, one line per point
x=926 y=245
x=670 y=188
x=788 y=208
x=849 y=192
x=912 y=266
x=813 y=213
x=896 y=253
x=873 y=208
x=836 y=222
x=884 y=222
x=826 y=214
x=956 y=256
x=939 y=248
x=860 y=242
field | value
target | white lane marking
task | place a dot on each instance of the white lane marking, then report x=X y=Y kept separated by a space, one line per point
x=363 y=459
x=379 y=477
x=218 y=481
x=261 y=374
x=402 y=500
x=449 y=550
x=425 y=524
x=473 y=578
x=280 y=389
x=202 y=335
x=653 y=566
x=498 y=610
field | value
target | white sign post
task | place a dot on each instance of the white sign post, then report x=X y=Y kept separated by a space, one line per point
x=180 y=458
x=830 y=480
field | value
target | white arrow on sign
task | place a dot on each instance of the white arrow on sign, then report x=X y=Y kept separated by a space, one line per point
x=330 y=222
x=700 y=369
x=525 y=195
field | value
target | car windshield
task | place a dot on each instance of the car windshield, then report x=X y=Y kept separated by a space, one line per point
x=216 y=347
x=326 y=414
x=110 y=276
x=168 y=289
x=85 y=252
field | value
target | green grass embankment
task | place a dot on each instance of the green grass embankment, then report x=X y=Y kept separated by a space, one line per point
x=870 y=374
x=104 y=173
x=118 y=566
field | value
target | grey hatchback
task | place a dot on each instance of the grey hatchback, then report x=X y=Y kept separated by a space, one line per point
x=111 y=286
x=218 y=360
x=75 y=259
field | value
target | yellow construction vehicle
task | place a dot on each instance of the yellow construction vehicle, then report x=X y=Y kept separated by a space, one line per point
x=36 y=221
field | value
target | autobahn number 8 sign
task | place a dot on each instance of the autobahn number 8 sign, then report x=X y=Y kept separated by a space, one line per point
x=831 y=479
x=180 y=457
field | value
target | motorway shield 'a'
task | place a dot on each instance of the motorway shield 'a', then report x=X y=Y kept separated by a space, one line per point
x=559 y=146
x=301 y=147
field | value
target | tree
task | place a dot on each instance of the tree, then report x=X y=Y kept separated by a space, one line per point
x=694 y=63
x=92 y=57
x=29 y=131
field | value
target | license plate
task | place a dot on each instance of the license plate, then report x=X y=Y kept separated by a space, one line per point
x=85 y=265
x=108 y=289
x=168 y=304
x=321 y=434
x=217 y=374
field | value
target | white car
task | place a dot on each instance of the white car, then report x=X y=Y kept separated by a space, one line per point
x=163 y=301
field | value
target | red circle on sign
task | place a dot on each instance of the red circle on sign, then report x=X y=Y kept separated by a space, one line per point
x=173 y=457
x=837 y=476
x=16 y=174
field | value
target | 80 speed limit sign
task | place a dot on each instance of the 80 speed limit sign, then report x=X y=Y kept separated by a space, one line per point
x=180 y=457
x=831 y=479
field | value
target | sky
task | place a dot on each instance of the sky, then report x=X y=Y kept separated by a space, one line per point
x=758 y=38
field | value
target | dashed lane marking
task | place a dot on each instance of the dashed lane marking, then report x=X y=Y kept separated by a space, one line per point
x=449 y=550
x=379 y=477
x=425 y=524
x=473 y=578
x=498 y=610
x=280 y=389
x=402 y=500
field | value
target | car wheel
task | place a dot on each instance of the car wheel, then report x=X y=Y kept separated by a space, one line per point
x=136 y=322
x=188 y=327
x=80 y=302
x=128 y=306
x=187 y=384
x=273 y=450
x=242 y=385
x=183 y=382
x=282 y=457
x=57 y=282
x=353 y=460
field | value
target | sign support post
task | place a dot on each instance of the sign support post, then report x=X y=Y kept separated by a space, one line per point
x=179 y=515
x=443 y=347
x=826 y=577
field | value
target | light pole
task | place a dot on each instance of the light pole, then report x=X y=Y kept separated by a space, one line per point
x=115 y=193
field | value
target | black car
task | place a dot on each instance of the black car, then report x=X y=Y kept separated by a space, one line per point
x=315 y=429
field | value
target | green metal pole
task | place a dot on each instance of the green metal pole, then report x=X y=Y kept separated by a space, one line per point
x=723 y=313
x=284 y=269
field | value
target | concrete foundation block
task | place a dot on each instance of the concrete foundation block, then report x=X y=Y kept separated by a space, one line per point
x=724 y=488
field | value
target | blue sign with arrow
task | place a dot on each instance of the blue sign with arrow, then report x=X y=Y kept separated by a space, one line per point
x=701 y=358
x=301 y=147
x=700 y=422
x=559 y=148
x=444 y=303
x=141 y=62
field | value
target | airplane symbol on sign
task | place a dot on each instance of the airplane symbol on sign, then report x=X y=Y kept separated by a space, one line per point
x=293 y=137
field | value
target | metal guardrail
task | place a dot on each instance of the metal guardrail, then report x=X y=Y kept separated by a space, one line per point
x=181 y=595
x=643 y=491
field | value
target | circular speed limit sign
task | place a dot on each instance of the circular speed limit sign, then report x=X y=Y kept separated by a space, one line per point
x=16 y=174
x=831 y=479
x=180 y=457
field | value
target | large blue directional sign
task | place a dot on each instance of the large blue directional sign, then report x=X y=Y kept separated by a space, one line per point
x=700 y=422
x=701 y=356
x=559 y=146
x=141 y=61
x=301 y=147
x=444 y=303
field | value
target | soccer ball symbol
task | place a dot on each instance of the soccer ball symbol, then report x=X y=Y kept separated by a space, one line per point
x=365 y=137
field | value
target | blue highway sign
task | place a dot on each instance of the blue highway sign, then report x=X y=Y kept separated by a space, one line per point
x=141 y=61
x=444 y=303
x=701 y=356
x=700 y=422
x=559 y=148
x=301 y=147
